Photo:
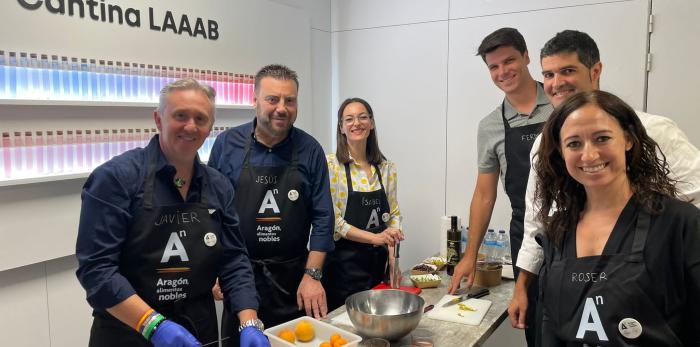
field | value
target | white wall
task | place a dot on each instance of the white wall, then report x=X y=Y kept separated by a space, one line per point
x=410 y=121
x=619 y=27
x=414 y=62
x=37 y=279
x=674 y=79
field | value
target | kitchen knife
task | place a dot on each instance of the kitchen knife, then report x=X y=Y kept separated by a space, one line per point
x=477 y=294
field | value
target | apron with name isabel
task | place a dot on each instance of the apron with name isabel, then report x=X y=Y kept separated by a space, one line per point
x=170 y=257
x=600 y=300
x=275 y=224
x=354 y=266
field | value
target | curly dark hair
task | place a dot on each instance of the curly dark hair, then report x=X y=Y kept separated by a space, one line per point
x=647 y=172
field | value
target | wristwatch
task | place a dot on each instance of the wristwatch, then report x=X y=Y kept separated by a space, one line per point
x=314 y=273
x=257 y=323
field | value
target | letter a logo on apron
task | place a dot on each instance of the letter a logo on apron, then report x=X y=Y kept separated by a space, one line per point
x=373 y=220
x=269 y=202
x=174 y=248
x=590 y=321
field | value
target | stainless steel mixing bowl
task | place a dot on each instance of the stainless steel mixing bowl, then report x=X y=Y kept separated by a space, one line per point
x=389 y=313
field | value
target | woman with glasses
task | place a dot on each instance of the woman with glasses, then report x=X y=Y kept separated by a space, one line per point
x=367 y=216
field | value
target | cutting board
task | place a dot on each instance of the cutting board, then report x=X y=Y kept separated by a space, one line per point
x=450 y=313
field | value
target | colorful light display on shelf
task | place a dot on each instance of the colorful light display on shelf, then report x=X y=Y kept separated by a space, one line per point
x=43 y=77
x=29 y=154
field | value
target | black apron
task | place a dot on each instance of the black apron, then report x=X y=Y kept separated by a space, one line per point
x=275 y=224
x=353 y=266
x=518 y=143
x=170 y=257
x=598 y=300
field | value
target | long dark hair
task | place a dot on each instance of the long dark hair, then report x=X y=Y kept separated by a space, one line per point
x=647 y=172
x=374 y=155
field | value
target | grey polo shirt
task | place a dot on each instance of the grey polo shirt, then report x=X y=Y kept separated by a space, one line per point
x=491 y=135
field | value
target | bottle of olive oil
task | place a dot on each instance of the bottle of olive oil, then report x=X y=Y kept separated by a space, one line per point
x=454 y=239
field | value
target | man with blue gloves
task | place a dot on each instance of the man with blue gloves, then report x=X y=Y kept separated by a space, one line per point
x=157 y=227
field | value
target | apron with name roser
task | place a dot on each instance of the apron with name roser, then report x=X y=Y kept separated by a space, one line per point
x=600 y=300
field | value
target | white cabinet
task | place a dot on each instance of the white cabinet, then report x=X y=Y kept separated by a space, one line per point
x=674 y=79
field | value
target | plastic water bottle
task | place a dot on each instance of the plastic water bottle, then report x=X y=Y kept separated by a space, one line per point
x=502 y=245
x=490 y=246
x=465 y=240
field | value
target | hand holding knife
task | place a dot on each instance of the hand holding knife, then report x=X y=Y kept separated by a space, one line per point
x=473 y=295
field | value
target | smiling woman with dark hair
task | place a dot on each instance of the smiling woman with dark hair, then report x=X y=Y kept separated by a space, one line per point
x=622 y=254
x=367 y=217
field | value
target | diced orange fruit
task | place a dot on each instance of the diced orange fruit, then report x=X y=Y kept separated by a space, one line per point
x=335 y=337
x=304 y=331
x=325 y=344
x=339 y=342
x=287 y=335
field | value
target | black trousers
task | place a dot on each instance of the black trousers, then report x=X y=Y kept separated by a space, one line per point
x=533 y=290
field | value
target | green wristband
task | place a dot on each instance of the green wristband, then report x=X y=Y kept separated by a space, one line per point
x=147 y=322
x=151 y=327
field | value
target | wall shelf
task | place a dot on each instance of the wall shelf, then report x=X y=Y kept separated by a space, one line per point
x=40 y=179
x=81 y=103
x=33 y=80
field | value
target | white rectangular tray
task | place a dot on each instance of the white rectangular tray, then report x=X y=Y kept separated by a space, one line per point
x=323 y=333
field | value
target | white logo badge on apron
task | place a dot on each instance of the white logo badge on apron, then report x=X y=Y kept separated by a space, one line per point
x=385 y=217
x=630 y=328
x=293 y=195
x=210 y=239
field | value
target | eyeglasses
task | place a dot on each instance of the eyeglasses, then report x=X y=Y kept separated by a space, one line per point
x=361 y=118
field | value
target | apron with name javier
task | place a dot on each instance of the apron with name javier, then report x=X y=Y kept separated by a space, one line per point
x=170 y=257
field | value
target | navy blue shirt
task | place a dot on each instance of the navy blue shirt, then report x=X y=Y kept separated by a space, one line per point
x=227 y=156
x=112 y=198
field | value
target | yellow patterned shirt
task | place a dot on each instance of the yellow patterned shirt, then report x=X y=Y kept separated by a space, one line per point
x=360 y=182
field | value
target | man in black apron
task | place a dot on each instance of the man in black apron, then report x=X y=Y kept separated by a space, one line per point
x=155 y=228
x=355 y=266
x=282 y=189
x=522 y=114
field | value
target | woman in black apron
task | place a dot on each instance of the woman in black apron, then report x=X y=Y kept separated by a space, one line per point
x=622 y=255
x=370 y=226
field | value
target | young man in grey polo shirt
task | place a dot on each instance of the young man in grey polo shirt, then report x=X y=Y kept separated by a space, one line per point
x=504 y=140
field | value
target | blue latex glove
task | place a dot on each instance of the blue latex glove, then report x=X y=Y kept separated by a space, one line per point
x=171 y=334
x=253 y=337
